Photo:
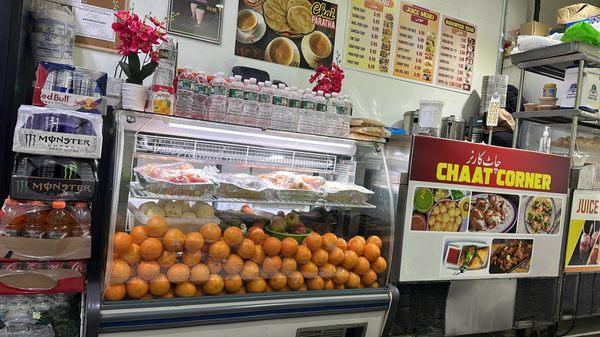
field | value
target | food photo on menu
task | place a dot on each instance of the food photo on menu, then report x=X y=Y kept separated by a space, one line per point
x=197 y=19
x=295 y=33
x=587 y=248
x=465 y=257
x=493 y=213
x=511 y=256
x=539 y=215
x=440 y=210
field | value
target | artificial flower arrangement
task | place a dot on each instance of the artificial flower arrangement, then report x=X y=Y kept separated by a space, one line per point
x=328 y=80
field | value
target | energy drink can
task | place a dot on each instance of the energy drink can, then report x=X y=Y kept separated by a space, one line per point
x=64 y=81
x=50 y=82
x=81 y=84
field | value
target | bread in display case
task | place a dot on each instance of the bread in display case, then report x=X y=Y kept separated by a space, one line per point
x=205 y=212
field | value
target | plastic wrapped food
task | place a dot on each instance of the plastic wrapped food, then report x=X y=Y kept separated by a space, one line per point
x=294 y=187
x=241 y=186
x=345 y=193
x=173 y=179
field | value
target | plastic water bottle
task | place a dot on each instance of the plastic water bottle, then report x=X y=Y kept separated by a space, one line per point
x=167 y=63
x=58 y=221
x=217 y=101
x=201 y=92
x=82 y=220
x=321 y=108
x=280 y=108
x=235 y=102
x=185 y=94
x=306 y=119
x=250 y=111
x=346 y=113
x=265 y=105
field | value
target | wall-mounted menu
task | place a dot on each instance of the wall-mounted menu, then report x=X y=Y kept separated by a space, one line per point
x=370 y=34
x=416 y=43
x=457 y=52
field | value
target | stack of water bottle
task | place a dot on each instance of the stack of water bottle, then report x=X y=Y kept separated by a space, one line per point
x=261 y=104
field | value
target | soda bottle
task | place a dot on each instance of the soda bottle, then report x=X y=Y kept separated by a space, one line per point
x=58 y=221
x=185 y=94
x=201 y=92
x=82 y=220
x=12 y=221
x=250 y=111
x=35 y=221
x=217 y=101
x=235 y=101
x=265 y=104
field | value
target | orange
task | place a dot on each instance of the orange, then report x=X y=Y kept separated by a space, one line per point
x=193 y=242
x=316 y=283
x=256 y=286
x=350 y=259
x=277 y=281
x=159 y=285
x=356 y=245
x=336 y=256
x=256 y=234
x=147 y=270
x=313 y=241
x=169 y=294
x=259 y=254
x=288 y=265
x=211 y=232
x=267 y=288
x=199 y=273
x=271 y=264
x=133 y=272
x=167 y=259
x=272 y=246
x=374 y=239
x=214 y=266
x=374 y=285
x=115 y=292
x=309 y=270
x=156 y=226
x=327 y=270
x=138 y=234
x=329 y=241
x=289 y=246
x=132 y=256
x=119 y=272
x=233 y=283
x=178 y=273
x=320 y=257
x=246 y=249
x=353 y=281
x=151 y=249
x=136 y=288
x=328 y=285
x=302 y=288
x=339 y=286
x=173 y=240
x=219 y=250
x=241 y=291
x=286 y=288
x=213 y=285
x=191 y=259
x=303 y=255
x=360 y=238
x=362 y=266
x=368 y=278
x=122 y=242
x=233 y=236
x=199 y=291
x=380 y=265
x=371 y=252
x=341 y=275
x=295 y=280
x=342 y=244
x=185 y=289
x=233 y=264
x=250 y=270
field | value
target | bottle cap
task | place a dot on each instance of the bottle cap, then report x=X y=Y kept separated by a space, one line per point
x=59 y=204
x=81 y=204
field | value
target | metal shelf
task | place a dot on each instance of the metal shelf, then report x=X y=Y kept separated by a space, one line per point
x=138 y=192
x=561 y=116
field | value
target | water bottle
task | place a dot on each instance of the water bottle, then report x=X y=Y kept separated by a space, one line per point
x=235 y=101
x=250 y=111
x=217 y=101
x=265 y=105
x=185 y=94
x=201 y=92
x=280 y=108
x=82 y=220
x=306 y=118
x=346 y=115
x=167 y=63
x=321 y=108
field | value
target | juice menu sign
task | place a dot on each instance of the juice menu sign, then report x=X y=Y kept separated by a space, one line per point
x=583 y=242
x=477 y=211
x=457 y=52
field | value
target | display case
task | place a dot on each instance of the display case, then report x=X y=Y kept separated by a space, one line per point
x=214 y=223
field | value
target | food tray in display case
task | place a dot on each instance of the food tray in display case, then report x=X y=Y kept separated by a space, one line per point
x=185 y=222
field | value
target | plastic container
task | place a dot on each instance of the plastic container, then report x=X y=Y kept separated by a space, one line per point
x=57 y=221
x=34 y=222
x=531 y=106
x=82 y=220
x=549 y=90
x=12 y=220
x=265 y=105
x=235 y=100
x=430 y=113
x=184 y=98
x=548 y=100
x=200 y=99
x=173 y=179
x=250 y=110
x=217 y=101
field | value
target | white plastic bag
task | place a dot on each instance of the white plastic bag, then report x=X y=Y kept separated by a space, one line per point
x=53 y=34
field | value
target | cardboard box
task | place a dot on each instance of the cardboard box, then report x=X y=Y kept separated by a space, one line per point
x=534 y=28
x=20 y=248
x=575 y=12
x=53 y=277
x=590 y=98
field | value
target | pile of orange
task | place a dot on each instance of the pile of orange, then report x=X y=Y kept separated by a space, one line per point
x=155 y=261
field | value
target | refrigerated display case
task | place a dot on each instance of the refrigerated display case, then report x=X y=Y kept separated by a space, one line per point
x=356 y=221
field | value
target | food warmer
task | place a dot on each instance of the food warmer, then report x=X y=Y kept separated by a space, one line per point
x=141 y=139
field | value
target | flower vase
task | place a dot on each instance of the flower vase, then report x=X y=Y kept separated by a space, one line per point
x=134 y=96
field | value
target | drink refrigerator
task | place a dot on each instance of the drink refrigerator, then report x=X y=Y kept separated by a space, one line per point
x=140 y=139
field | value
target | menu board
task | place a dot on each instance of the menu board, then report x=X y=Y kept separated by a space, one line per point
x=369 y=38
x=480 y=211
x=406 y=41
x=416 y=43
x=583 y=242
x=457 y=52
x=295 y=33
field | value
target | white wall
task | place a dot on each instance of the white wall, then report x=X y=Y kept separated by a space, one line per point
x=373 y=96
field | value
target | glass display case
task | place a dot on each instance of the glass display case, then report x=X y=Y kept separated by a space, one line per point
x=213 y=219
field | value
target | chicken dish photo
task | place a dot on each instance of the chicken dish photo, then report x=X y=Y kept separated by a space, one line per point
x=491 y=213
x=511 y=256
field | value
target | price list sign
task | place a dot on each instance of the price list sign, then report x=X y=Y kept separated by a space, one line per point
x=457 y=52
x=370 y=33
x=416 y=43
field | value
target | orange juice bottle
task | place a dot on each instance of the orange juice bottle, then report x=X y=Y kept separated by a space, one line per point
x=58 y=221
x=35 y=221
x=12 y=220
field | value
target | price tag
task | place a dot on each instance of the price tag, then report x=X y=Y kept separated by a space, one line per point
x=493 y=112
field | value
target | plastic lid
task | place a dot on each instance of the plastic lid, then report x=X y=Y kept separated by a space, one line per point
x=59 y=204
